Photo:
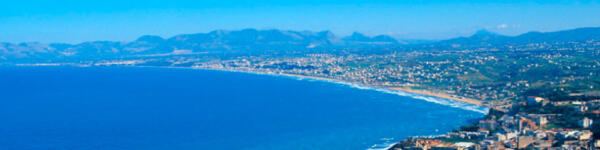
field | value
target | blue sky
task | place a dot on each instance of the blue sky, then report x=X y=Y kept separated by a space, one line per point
x=74 y=21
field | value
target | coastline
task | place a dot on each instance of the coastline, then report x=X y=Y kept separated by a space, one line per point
x=402 y=89
x=440 y=95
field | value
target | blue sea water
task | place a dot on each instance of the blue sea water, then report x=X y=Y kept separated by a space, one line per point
x=129 y=108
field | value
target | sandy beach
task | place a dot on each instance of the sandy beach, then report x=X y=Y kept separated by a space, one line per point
x=440 y=95
x=406 y=89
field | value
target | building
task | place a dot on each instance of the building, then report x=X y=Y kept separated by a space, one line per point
x=488 y=124
x=534 y=100
x=586 y=122
x=581 y=108
x=542 y=121
x=561 y=103
x=464 y=145
x=585 y=135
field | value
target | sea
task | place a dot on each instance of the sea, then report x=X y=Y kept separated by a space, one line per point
x=142 y=108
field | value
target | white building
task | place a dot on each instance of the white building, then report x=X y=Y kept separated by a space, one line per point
x=586 y=122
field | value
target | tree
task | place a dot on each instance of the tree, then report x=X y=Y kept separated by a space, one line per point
x=596 y=130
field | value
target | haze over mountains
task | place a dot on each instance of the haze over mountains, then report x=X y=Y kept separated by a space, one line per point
x=220 y=40
x=484 y=37
x=269 y=40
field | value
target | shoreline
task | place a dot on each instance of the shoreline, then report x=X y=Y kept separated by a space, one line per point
x=440 y=95
x=402 y=89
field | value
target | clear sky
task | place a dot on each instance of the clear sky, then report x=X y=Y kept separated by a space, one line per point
x=74 y=21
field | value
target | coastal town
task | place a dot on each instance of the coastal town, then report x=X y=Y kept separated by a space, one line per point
x=300 y=75
x=539 y=95
x=558 y=110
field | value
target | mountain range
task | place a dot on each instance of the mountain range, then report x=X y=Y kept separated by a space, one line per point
x=267 y=41
x=486 y=38
x=219 y=40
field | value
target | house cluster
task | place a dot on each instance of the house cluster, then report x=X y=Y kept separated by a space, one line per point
x=517 y=129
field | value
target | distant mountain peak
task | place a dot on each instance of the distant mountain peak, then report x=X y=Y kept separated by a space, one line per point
x=487 y=38
x=384 y=38
x=358 y=35
x=150 y=39
x=359 y=38
x=484 y=32
x=326 y=33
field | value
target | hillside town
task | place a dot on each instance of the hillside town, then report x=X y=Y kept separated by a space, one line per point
x=536 y=123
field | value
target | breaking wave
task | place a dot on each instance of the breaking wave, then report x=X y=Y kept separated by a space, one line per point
x=432 y=99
